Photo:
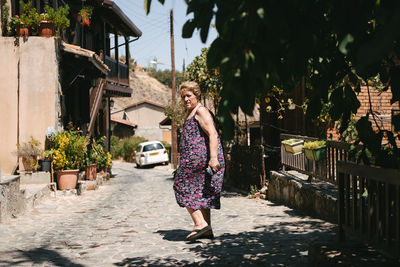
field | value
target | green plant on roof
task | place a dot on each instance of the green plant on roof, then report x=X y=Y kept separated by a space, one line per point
x=314 y=144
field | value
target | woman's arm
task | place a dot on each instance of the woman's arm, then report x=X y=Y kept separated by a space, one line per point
x=206 y=122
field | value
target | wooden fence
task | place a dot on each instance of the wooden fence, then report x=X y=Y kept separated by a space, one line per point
x=369 y=204
x=323 y=169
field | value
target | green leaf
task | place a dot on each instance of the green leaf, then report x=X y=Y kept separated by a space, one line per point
x=260 y=13
x=147 y=5
x=188 y=28
x=365 y=194
x=348 y=39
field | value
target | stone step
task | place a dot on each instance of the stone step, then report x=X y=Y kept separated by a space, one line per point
x=33 y=194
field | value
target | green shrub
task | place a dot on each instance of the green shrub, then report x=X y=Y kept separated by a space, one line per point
x=129 y=147
x=126 y=147
x=116 y=147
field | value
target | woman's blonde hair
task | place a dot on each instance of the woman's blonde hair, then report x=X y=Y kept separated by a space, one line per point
x=192 y=87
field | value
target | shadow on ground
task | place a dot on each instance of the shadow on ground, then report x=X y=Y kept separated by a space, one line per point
x=42 y=256
x=280 y=244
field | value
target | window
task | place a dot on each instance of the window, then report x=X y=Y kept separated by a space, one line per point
x=151 y=147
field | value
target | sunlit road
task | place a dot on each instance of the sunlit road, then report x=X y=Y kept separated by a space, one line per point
x=133 y=220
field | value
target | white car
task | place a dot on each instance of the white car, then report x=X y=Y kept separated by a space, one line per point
x=149 y=153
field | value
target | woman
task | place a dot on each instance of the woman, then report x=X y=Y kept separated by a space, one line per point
x=200 y=148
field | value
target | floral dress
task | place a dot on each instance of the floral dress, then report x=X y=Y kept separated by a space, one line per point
x=193 y=186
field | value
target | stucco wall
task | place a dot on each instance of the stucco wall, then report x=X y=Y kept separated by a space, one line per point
x=32 y=70
x=146 y=115
x=8 y=103
x=148 y=118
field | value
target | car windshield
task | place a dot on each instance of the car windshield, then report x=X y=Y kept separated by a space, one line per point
x=151 y=147
x=138 y=149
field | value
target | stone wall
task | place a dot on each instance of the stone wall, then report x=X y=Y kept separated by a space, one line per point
x=10 y=197
x=292 y=189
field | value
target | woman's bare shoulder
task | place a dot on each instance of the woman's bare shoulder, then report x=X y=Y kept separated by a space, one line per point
x=203 y=112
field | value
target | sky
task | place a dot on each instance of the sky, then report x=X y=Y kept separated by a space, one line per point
x=155 y=40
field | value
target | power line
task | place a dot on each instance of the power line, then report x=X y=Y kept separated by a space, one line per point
x=134 y=4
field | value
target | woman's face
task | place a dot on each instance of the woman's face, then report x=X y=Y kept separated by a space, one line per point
x=189 y=99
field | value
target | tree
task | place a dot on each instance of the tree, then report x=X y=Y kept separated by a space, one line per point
x=336 y=45
x=208 y=79
x=165 y=76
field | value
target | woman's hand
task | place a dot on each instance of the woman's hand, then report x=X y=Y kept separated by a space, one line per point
x=214 y=164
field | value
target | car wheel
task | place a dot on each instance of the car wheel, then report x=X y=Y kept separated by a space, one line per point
x=138 y=166
x=166 y=163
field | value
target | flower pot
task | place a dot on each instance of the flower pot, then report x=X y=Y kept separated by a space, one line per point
x=67 y=179
x=46 y=165
x=46 y=28
x=29 y=162
x=91 y=172
x=21 y=30
x=315 y=153
x=293 y=146
x=103 y=170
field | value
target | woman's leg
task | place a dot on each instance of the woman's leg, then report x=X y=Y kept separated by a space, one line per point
x=198 y=219
x=206 y=215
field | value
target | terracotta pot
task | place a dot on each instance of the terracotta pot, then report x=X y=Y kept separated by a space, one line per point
x=46 y=28
x=67 y=179
x=21 y=30
x=103 y=170
x=28 y=162
x=91 y=172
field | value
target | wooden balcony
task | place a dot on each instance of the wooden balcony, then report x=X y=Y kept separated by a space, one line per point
x=119 y=72
x=117 y=81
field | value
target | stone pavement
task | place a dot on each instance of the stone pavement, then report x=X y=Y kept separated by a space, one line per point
x=133 y=220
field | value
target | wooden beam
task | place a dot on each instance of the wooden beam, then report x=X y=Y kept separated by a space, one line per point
x=96 y=105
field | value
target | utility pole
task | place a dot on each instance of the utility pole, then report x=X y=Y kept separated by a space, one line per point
x=174 y=138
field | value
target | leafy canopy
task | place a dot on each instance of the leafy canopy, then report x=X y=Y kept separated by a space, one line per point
x=336 y=45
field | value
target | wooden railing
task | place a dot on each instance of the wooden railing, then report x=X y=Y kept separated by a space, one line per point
x=323 y=169
x=369 y=199
x=298 y=161
x=119 y=72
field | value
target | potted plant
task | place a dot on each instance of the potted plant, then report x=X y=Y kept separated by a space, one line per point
x=84 y=15
x=28 y=20
x=18 y=26
x=29 y=151
x=68 y=154
x=91 y=159
x=105 y=162
x=293 y=146
x=103 y=157
x=52 y=19
x=315 y=150
x=46 y=161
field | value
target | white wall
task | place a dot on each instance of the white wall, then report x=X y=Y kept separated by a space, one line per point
x=148 y=118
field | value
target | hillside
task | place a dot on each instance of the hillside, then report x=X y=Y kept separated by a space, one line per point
x=144 y=87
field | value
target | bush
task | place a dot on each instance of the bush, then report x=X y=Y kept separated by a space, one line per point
x=67 y=150
x=115 y=147
x=126 y=147
x=129 y=147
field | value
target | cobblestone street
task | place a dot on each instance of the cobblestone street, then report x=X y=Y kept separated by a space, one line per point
x=133 y=220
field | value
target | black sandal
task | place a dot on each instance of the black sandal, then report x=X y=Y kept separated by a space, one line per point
x=200 y=233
